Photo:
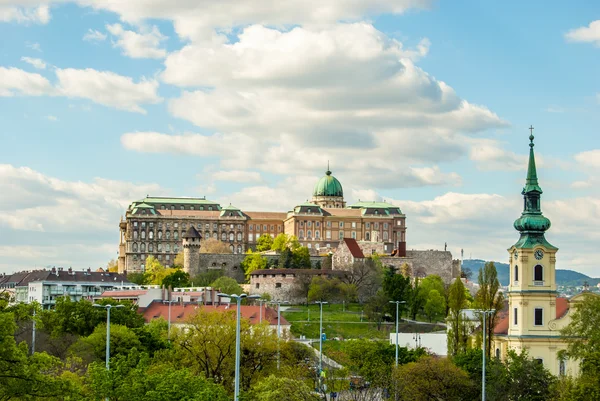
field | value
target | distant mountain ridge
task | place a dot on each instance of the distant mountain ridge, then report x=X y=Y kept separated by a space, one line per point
x=563 y=277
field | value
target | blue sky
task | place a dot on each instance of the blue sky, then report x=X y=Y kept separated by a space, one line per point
x=422 y=103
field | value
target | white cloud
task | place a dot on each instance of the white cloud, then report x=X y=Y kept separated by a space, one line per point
x=34 y=46
x=589 y=158
x=107 y=88
x=590 y=33
x=235 y=176
x=489 y=155
x=93 y=35
x=138 y=45
x=52 y=118
x=36 y=62
x=14 y=81
x=25 y=15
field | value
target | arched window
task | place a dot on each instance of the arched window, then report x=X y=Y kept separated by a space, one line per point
x=516 y=273
x=176 y=248
x=207 y=235
x=231 y=236
x=215 y=235
x=301 y=235
x=367 y=237
x=168 y=234
x=135 y=247
x=142 y=247
x=385 y=235
x=317 y=234
x=150 y=248
x=150 y=234
x=160 y=234
x=231 y=248
x=168 y=248
x=239 y=236
x=175 y=234
x=498 y=353
x=538 y=273
x=223 y=236
x=562 y=367
x=309 y=234
x=135 y=235
x=143 y=234
x=239 y=249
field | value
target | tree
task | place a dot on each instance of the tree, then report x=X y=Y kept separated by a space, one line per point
x=323 y=289
x=264 y=243
x=417 y=299
x=285 y=259
x=457 y=301
x=435 y=306
x=528 y=380
x=497 y=381
x=138 y=278
x=178 y=261
x=488 y=298
x=283 y=241
x=300 y=258
x=177 y=279
x=112 y=266
x=213 y=245
x=207 y=278
x=155 y=271
x=301 y=286
x=406 y=270
x=366 y=276
x=253 y=261
x=376 y=307
x=431 y=379
x=327 y=262
x=122 y=341
x=583 y=333
x=274 y=388
x=397 y=287
x=227 y=285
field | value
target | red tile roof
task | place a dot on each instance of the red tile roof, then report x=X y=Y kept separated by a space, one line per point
x=354 y=248
x=562 y=307
x=180 y=313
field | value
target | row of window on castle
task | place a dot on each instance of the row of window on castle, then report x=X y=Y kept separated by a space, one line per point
x=182 y=207
x=353 y=224
x=265 y=227
x=239 y=249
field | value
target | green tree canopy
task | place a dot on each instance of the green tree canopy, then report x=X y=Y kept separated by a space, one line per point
x=264 y=243
x=435 y=306
x=457 y=332
x=227 y=285
x=274 y=388
x=177 y=279
x=283 y=241
x=489 y=297
x=300 y=258
x=253 y=261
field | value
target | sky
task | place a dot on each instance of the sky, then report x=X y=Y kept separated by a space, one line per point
x=424 y=104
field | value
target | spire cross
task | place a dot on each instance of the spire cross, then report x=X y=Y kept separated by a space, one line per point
x=531 y=137
x=531 y=129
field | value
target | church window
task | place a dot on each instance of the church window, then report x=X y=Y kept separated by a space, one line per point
x=168 y=248
x=515 y=316
x=309 y=224
x=376 y=211
x=210 y=208
x=516 y=273
x=353 y=224
x=538 y=317
x=167 y=257
x=183 y=234
x=159 y=257
x=239 y=236
x=150 y=234
x=207 y=225
x=135 y=235
x=231 y=236
x=160 y=234
x=231 y=226
x=272 y=227
x=142 y=247
x=251 y=227
x=368 y=236
x=207 y=234
x=175 y=234
x=538 y=273
x=309 y=234
x=399 y=223
x=135 y=247
x=150 y=248
x=309 y=246
x=168 y=234
x=215 y=226
x=223 y=236
x=143 y=234
x=308 y=210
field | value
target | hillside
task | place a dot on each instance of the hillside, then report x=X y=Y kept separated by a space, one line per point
x=563 y=277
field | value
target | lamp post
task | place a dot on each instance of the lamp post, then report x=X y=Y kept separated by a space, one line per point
x=485 y=313
x=170 y=301
x=321 y=337
x=108 y=308
x=278 y=303
x=238 y=298
x=397 y=318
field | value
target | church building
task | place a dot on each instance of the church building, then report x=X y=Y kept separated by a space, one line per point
x=535 y=314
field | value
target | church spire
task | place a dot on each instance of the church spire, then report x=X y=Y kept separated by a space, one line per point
x=532 y=224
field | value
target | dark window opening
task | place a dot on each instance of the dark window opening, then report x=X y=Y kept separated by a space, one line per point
x=539 y=317
x=538 y=273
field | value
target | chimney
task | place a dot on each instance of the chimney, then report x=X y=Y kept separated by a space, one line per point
x=401 y=249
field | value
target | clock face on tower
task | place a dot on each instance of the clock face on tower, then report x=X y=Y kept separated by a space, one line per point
x=539 y=254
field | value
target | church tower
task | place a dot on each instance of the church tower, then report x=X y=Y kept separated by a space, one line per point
x=532 y=287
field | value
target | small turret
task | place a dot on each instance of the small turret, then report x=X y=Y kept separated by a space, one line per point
x=191 y=250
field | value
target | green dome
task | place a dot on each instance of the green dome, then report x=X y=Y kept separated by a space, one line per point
x=328 y=186
x=532 y=223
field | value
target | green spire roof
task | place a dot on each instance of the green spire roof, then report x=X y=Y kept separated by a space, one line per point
x=531 y=183
x=532 y=224
x=328 y=186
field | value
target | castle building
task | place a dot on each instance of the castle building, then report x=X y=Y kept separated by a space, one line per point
x=157 y=225
x=535 y=314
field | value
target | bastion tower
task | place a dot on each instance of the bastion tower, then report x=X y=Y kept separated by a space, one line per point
x=191 y=249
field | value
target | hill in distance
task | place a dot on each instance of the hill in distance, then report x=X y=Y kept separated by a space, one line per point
x=563 y=277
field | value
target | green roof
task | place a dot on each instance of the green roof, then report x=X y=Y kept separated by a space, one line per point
x=180 y=201
x=230 y=211
x=374 y=205
x=531 y=182
x=328 y=185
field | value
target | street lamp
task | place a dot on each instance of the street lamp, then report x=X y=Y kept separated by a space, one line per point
x=170 y=302
x=278 y=303
x=238 y=298
x=485 y=313
x=321 y=336
x=108 y=308
x=397 y=317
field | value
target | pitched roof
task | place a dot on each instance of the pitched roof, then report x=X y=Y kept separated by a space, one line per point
x=24 y=278
x=180 y=313
x=266 y=215
x=354 y=248
x=562 y=307
x=339 y=212
x=192 y=233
